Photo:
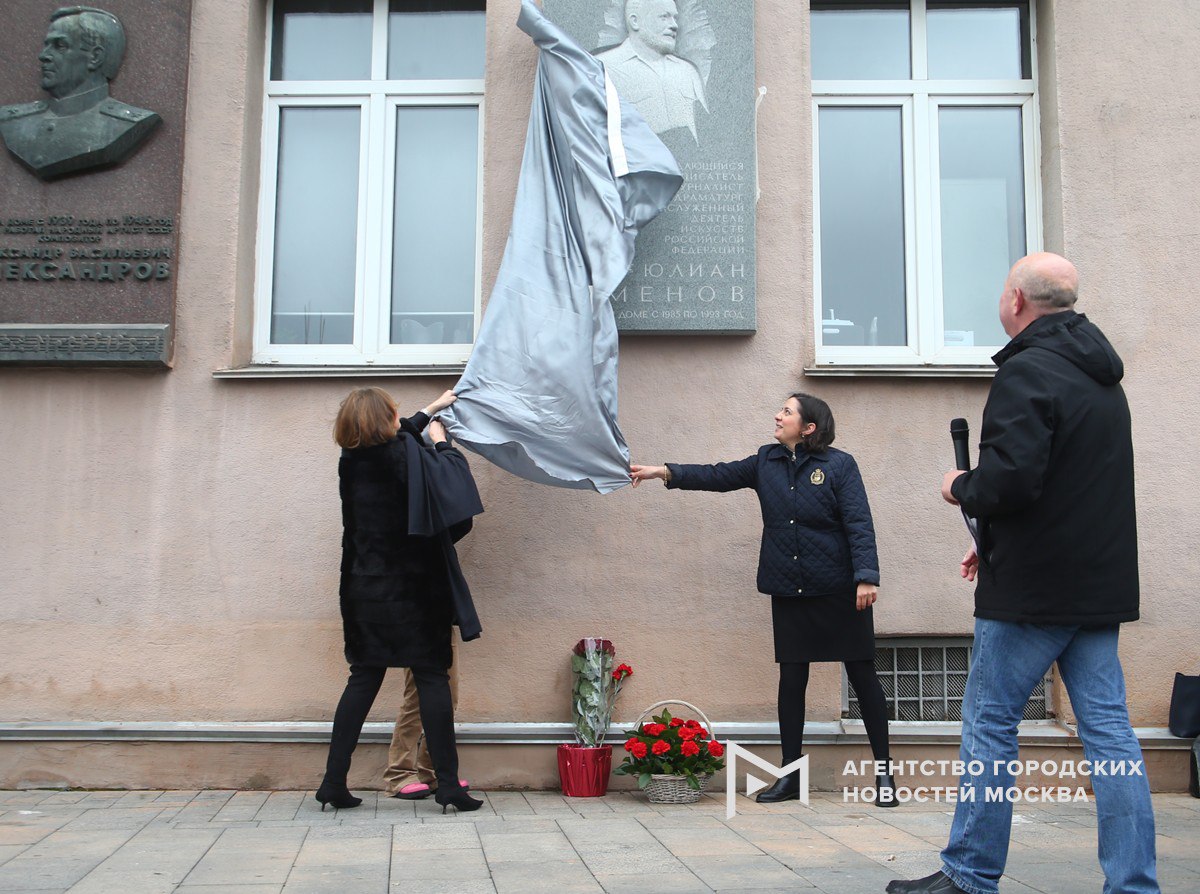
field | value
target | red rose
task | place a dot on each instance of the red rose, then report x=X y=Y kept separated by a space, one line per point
x=715 y=748
x=637 y=749
x=675 y=721
x=582 y=647
x=694 y=724
x=687 y=733
x=654 y=729
x=689 y=749
x=661 y=747
x=622 y=671
x=701 y=733
x=629 y=743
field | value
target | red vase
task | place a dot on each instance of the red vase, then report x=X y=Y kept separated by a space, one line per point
x=584 y=770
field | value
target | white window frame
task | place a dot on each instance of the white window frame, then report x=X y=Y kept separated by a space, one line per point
x=378 y=100
x=920 y=99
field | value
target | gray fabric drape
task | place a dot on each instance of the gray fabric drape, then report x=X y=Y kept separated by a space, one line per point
x=539 y=395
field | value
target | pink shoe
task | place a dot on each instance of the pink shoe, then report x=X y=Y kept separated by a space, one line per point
x=414 y=791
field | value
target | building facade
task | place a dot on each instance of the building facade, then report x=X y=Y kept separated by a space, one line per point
x=171 y=536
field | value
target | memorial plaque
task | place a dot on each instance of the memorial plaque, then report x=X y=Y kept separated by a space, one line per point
x=689 y=68
x=91 y=169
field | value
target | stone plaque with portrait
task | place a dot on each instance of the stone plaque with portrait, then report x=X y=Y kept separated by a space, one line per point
x=91 y=166
x=688 y=66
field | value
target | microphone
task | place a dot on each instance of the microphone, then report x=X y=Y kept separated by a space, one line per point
x=959 y=431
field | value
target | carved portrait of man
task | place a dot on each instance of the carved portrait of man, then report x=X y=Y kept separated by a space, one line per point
x=79 y=126
x=649 y=68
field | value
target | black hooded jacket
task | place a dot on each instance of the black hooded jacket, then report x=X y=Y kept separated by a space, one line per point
x=1054 y=486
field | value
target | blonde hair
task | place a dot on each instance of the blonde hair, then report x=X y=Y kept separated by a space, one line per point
x=366 y=417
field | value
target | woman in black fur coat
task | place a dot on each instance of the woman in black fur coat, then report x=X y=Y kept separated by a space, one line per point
x=397 y=600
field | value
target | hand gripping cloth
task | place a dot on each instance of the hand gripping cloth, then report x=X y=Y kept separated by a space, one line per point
x=539 y=394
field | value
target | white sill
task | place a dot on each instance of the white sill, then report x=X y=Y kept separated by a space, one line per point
x=283 y=371
x=925 y=371
x=828 y=732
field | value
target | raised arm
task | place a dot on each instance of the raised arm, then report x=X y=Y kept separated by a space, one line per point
x=416 y=423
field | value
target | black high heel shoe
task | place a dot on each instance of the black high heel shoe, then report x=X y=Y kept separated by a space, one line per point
x=459 y=800
x=337 y=795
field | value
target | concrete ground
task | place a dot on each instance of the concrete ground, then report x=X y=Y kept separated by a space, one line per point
x=270 y=842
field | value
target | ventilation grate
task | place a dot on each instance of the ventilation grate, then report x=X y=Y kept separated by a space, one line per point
x=924 y=680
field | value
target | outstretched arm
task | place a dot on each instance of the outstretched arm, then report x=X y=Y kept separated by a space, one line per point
x=648 y=473
x=718 y=477
x=444 y=400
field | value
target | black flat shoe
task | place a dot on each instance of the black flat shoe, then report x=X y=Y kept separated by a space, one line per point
x=785 y=789
x=459 y=800
x=337 y=795
x=885 y=791
x=938 y=883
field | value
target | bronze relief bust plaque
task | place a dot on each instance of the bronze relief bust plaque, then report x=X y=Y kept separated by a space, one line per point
x=91 y=181
x=78 y=126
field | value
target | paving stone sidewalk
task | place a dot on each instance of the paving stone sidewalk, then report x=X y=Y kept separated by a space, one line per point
x=225 y=842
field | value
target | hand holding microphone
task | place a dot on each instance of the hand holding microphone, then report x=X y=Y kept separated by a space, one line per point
x=959 y=433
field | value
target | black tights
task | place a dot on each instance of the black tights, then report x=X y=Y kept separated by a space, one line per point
x=437 y=717
x=793 y=682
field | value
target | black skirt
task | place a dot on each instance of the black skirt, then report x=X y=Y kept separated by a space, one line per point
x=822 y=628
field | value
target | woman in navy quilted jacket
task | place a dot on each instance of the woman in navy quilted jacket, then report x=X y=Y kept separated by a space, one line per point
x=817 y=563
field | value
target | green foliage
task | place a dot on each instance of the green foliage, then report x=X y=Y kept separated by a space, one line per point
x=593 y=692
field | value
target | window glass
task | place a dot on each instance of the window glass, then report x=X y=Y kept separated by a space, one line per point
x=983 y=217
x=321 y=40
x=435 y=39
x=862 y=226
x=970 y=42
x=316 y=227
x=860 y=42
x=436 y=203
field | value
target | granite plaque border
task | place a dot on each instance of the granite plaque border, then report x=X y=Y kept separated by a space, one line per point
x=695 y=267
x=102 y=344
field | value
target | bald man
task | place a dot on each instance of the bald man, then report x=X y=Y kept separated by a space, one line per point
x=1056 y=578
x=646 y=72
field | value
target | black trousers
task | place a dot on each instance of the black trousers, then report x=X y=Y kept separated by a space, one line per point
x=437 y=717
x=793 y=683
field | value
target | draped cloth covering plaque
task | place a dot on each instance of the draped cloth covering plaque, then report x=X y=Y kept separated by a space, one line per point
x=539 y=394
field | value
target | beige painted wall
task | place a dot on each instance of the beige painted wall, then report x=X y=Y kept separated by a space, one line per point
x=170 y=541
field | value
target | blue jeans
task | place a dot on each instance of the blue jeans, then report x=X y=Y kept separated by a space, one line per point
x=1008 y=661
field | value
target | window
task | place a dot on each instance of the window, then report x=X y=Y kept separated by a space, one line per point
x=924 y=680
x=370 y=211
x=925 y=177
